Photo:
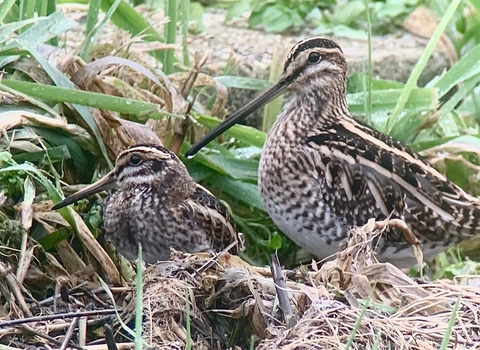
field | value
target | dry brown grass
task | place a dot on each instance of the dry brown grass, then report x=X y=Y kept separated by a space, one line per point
x=232 y=304
x=231 y=301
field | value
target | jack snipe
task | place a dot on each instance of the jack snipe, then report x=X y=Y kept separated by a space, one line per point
x=159 y=205
x=322 y=172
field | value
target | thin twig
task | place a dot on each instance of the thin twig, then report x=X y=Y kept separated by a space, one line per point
x=82 y=331
x=14 y=287
x=109 y=337
x=79 y=291
x=47 y=337
x=57 y=316
x=282 y=294
x=69 y=333
x=214 y=258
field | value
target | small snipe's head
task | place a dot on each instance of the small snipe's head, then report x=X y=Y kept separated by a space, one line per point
x=148 y=165
x=313 y=66
x=140 y=165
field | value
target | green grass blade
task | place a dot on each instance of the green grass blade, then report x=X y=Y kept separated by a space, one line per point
x=31 y=100
x=8 y=29
x=89 y=40
x=5 y=7
x=188 y=346
x=368 y=102
x=185 y=8
x=114 y=304
x=422 y=62
x=170 y=35
x=242 y=133
x=27 y=9
x=51 y=7
x=231 y=81
x=273 y=108
x=357 y=324
x=466 y=88
x=139 y=302
x=44 y=29
x=451 y=323
x=419 y=98
x=378 y=339
x=129 y=106
x=467 y=67
x=248 y=193
x=238 y=169
x=92 y=16
x=55 y=154
x=42 y=8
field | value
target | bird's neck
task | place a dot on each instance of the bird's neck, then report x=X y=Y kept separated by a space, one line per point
x=317 y=109
x=170 y=189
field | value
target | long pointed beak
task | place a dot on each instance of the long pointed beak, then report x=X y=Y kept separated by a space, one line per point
x=261 y=100
x=108 y=182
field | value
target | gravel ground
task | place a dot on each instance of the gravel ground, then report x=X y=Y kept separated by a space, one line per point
x=252 y=50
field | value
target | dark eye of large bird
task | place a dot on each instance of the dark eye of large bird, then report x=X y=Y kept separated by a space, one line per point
x=135 y=160
x=314 y=57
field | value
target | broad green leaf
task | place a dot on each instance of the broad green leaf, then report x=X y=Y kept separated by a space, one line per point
x=467 y=67
x=275 y=19
x=5 y=7
x=238 y=8
x=248 y=193
x=51 y=240
x=355 y=83
x=44 y=29
x=56 y=154
x=461 y=93
x=230 y=81
x=420 y=98
x=408 y=126
x=240 y=169
x=8 y=29
x=249 y=135
x=70 y=94
x=348 y=13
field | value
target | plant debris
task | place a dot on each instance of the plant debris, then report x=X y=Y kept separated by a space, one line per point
x=229 y=304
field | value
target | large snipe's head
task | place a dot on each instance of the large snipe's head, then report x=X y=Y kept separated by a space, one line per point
x=315 y=65
x=140 y=165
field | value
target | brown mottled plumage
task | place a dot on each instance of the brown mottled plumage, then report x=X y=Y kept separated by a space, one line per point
x=322 y=172
x=159 y=205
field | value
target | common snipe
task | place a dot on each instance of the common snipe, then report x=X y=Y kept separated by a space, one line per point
x=321 y=171
x=158 y=205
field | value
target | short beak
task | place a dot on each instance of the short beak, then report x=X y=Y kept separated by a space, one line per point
x=108 y=182
x=258 y=102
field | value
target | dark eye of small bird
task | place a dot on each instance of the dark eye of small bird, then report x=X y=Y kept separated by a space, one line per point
x=135 y=160
x=314 y=57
